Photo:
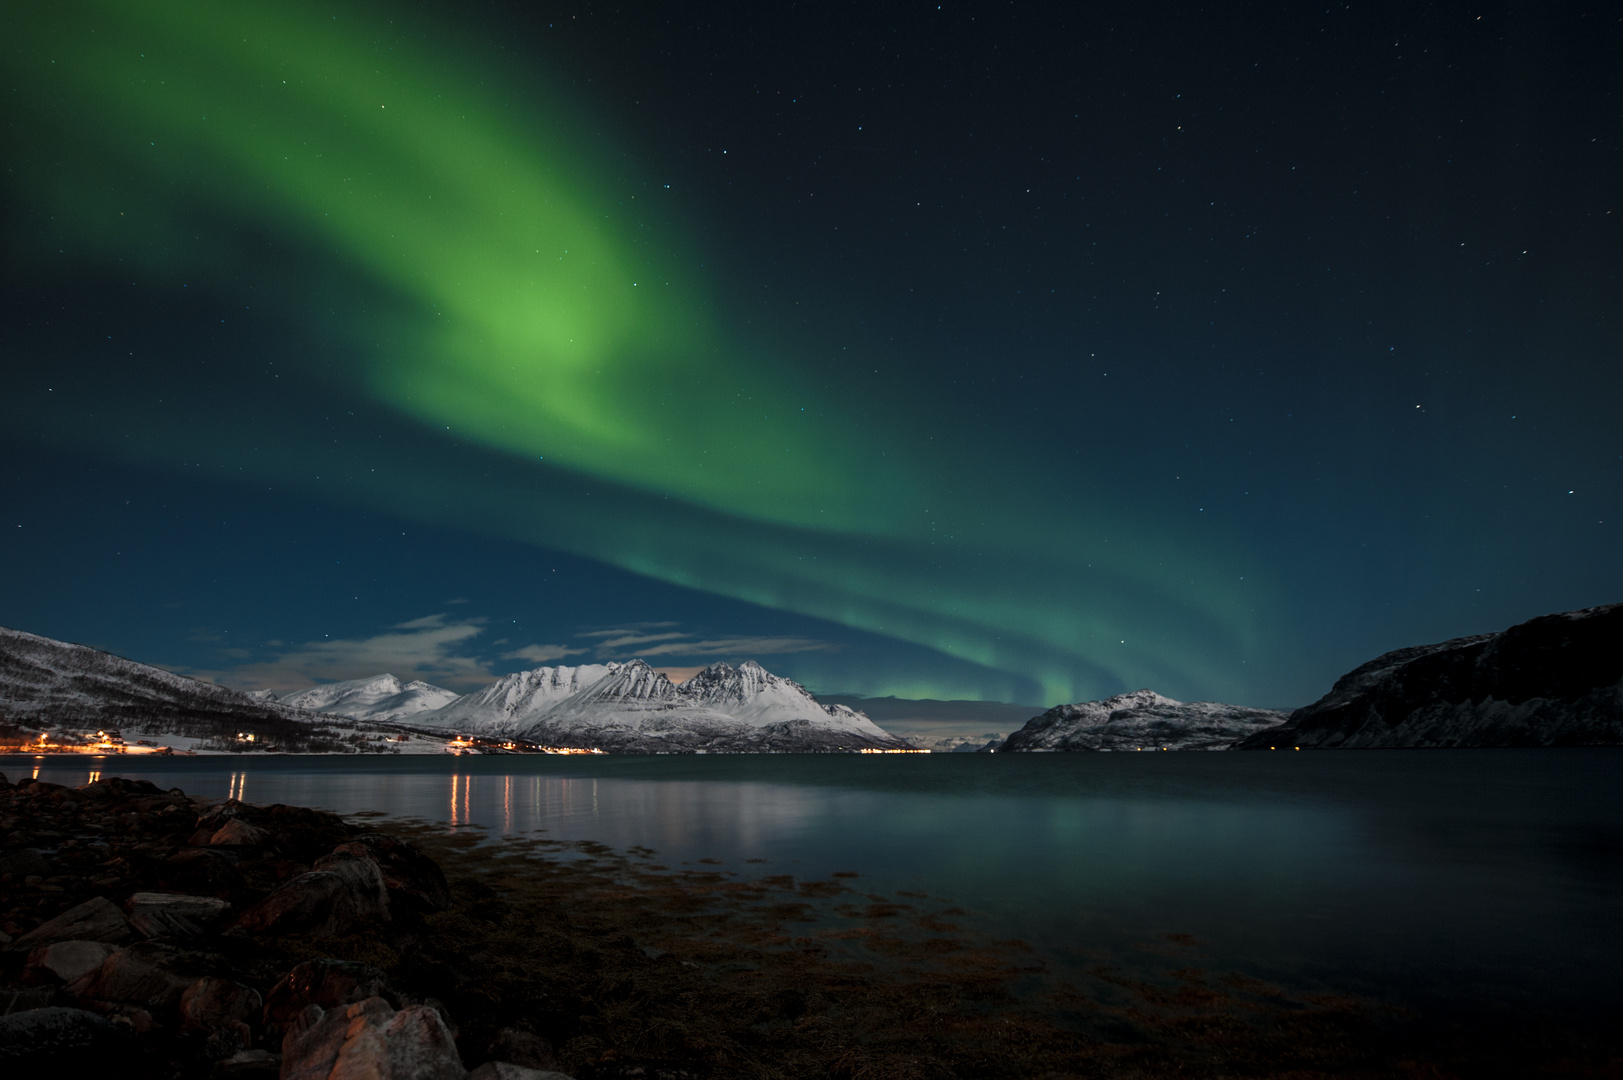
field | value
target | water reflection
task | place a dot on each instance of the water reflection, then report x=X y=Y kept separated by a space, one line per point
x=461 y=800
x=690 y=817
x=1432 y=872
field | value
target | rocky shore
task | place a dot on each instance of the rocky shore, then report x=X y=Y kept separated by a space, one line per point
x=152 y=934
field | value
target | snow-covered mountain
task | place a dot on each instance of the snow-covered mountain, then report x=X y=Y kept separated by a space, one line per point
x=58 y=686
x=48 y=681
x=382 y=697
x=1141 y=720
x=631 y=708
x=511 y=702
x=625 y=708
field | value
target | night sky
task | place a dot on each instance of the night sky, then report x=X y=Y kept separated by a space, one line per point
x=973 y=351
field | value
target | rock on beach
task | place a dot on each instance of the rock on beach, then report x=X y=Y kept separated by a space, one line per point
x=122 y=948
x=97 y=919
x=369 y=1038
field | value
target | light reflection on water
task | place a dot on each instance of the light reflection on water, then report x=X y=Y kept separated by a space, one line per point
x=1492 y=875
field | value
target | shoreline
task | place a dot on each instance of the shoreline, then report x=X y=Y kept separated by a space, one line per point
x=627 y=967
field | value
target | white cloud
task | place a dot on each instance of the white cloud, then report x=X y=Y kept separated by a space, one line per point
x=742 y=646
x=434 y=648
x=429 y=622
x=541 y=654
x=629 y=628
x=428 y=648
x=629 y=642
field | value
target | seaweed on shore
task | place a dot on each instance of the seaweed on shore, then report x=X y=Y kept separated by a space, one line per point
x=636 y=972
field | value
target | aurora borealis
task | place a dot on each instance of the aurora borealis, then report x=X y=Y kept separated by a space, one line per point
x=967 y=353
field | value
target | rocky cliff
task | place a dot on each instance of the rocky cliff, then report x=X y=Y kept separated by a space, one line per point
x=1552 y=681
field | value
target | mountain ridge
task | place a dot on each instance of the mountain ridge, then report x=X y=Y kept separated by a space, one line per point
x=381 y=697
x=620 y=707
x=1554 y=680
x=631 y=707
x=1139 y=720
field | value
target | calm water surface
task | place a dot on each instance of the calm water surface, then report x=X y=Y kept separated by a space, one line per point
x=1480 y=878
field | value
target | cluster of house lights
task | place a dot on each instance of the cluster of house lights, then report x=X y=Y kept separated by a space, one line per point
x=88 y=742
x=467 y=744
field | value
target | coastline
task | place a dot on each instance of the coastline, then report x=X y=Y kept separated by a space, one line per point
x=629 y=967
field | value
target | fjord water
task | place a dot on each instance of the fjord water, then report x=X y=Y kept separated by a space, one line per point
x=1466 y=878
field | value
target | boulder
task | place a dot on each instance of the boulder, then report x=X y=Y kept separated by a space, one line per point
x=157 y=914
x=364 y=880
x=120 y=786
x=58 y=1042
x=97 y=919
x=299 y=832
x=202 y=872
x=414 y=880
x=343 y=893
x=66 y=961
x=220 y=813
x=370 y=1039
x=148 y=975
x=506 y=1070
x=317 y=903
x=238 y=833
x=327 y=983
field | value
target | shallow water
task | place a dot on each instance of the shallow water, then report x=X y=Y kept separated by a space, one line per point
x=1462 y=878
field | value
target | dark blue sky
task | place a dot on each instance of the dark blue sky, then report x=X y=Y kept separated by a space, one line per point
x=1021 y=353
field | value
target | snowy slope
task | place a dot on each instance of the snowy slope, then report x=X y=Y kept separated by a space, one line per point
x=512 y=702
x=382 y=697
x=1141 y=720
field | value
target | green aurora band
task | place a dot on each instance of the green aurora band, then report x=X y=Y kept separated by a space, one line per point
x=554 y=347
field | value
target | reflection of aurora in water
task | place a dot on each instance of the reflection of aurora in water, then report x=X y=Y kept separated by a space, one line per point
x=1405 y=874
x=468 y=280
